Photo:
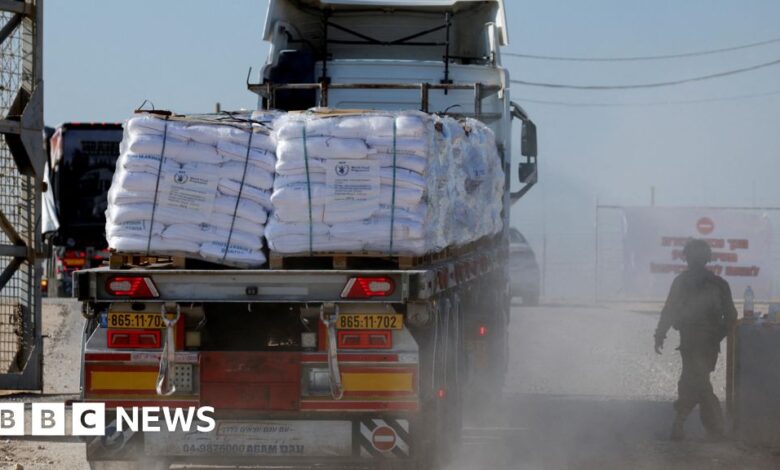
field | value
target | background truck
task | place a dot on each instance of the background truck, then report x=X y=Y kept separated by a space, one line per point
x=272 y=349
x=82 y=157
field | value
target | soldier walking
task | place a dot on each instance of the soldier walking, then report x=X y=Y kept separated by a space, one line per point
x=701 y=308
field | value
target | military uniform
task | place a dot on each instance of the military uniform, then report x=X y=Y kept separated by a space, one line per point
x=700 y=306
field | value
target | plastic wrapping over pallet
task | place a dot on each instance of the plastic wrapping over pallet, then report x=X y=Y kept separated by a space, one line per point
x=198 y=186
x=395 y=183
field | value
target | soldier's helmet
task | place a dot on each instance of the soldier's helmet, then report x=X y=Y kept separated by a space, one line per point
x=697 y=252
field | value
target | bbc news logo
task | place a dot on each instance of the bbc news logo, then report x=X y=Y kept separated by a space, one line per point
x=89 y=419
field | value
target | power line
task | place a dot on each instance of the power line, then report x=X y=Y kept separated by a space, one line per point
x=646 y=103
x=641 y=58
x=648 y=85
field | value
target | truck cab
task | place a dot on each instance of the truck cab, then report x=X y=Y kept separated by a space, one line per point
x=439 y=57
x=82 y=157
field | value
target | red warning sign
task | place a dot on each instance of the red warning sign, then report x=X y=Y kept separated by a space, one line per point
x=383 y=438
x=705 y=226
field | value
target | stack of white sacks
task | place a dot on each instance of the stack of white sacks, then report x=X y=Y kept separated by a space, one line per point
x=400 y=183
x=198 y=187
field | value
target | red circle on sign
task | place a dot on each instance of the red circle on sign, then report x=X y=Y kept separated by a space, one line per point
x=705 y=226
x=383 y=439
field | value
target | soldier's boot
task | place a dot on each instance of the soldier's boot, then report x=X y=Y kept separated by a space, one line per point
x=678 y=428
x=712 y=418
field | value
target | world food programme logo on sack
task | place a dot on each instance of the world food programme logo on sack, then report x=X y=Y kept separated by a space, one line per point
x=342 y=169
x=180 y=178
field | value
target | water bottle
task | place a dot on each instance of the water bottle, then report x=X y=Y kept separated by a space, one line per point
x=747 y=307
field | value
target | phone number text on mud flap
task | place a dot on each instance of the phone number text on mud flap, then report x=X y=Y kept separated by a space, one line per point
x=244 y=449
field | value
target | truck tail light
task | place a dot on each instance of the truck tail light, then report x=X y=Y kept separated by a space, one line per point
x=369 y=339
x=135 y=339
x=138 y=287
x=367 y=287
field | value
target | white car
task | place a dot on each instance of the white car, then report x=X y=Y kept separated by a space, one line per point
x=524 y=274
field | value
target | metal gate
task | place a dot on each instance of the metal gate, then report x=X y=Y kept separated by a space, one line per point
x=21 y=169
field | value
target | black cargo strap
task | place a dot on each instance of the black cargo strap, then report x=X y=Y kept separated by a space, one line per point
x=157 y=187
x=240 y=191
x=392 y=200
x=308 y=189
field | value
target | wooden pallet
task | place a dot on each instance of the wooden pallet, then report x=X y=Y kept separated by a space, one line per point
x=357 y=260
x=136 y=260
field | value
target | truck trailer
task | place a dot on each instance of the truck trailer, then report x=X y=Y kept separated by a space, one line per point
x=340 y=359
x=82 y=157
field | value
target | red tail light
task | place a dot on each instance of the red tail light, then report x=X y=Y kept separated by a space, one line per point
x=367 y=287
x=482 y=330
x=136 y=339
x=370 y=339
x=136 y=287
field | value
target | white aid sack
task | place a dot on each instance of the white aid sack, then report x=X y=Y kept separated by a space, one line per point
x=300 y=244
x=321 y=147
x=180 y=150
x=259 y=178
x=246 y=209
x=377 y=230
x=134 y=229
x=412 y=146
x=353 y=126
x=277 y=229
x=201 y=233
x=237 y=255
x=413 y=163
x=261 y=158
x=404 y=178
x=233 y=188
x=157 y=244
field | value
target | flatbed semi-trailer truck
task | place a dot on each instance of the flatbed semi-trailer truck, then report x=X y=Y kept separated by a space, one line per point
x=328 y=362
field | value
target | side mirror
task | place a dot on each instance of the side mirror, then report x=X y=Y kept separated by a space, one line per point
x=527 y=171
x=528 y=139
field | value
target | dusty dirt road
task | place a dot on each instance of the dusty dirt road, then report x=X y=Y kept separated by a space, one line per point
x=585 y=391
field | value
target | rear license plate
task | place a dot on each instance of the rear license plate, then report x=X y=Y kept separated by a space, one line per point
x=74 y=262
x=370 y=321
x=135 y=320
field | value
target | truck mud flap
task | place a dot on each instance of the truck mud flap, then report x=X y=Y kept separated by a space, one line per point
x=383 y=438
